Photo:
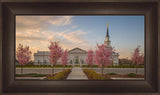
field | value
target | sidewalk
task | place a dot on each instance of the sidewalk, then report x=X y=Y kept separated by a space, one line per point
x=77 y=74
x=127 y=78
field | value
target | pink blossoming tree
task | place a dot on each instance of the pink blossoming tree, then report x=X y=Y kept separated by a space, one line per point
x=23 y=55
x=90 y=57
x=64 y=58
x=55 y=54
x=103 y=56
x=137 y=58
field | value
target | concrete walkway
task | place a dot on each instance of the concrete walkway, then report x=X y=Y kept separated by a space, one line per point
x=77 y=74
x=127 y=78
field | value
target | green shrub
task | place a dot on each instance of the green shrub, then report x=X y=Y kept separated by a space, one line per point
x=132 y=75
x=92 y=74
x=31 y=74
x=126 y=66
x=89 y=66
x=94 y=65
x=68 y=66
x=58 y=66
x=77 y=65
x=111 y=73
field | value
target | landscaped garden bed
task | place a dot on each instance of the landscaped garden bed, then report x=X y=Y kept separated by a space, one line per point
x=92 y=75
x=59 y=76
x=130 y=75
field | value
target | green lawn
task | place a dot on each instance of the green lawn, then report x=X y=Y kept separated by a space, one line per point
x=31 y=75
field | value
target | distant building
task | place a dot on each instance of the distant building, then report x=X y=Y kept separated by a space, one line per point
x=77 y=56
x=107 y=43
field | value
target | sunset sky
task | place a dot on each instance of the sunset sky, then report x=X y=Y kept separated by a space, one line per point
x=126 y=32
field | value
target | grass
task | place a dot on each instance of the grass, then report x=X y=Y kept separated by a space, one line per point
x=19 y=75
x=31 y=75
x=111 y=73
x=133 y=75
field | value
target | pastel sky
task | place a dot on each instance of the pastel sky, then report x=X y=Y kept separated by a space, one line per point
x=126 y=32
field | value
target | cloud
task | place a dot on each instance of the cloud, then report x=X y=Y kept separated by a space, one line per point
x=60 y=21
x=31 y=26
x=42 y=20
x=34 y=32
x=73 y=27
x=74 y=37
x=28 y=38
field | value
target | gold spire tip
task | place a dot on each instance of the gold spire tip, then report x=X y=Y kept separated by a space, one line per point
x=107 y=24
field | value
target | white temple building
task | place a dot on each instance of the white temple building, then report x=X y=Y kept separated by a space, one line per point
x=77 y=56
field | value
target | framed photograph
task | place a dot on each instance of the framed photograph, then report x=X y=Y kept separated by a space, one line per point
x=62 y=47
x=68 y=47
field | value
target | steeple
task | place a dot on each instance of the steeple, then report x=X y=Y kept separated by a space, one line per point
x=107 y=35
x=107 y=42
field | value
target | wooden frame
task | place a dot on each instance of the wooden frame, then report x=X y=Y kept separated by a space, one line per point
x=149 y=9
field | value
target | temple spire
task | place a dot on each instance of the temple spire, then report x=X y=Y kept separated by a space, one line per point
x=107 y=35
x=107 y=42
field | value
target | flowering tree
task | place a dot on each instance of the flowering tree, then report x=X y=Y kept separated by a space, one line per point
x=23 y=55
x=64 y=58
x=103 y=56
x=90 y=58
x=137 y=58
x=55 y=54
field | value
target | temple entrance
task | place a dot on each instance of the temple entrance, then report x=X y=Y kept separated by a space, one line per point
x=76 y=63
x=76 y=60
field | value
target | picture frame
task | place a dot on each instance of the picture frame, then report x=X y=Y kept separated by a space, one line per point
x=10 y=9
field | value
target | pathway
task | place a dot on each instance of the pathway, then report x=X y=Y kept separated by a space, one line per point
x=77 y=73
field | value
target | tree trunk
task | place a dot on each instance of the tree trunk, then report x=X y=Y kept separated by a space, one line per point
x=91 y=67
x=102 y=70
x=136 y=68
x=22 y=69
x=52 y=70
x=63 y=67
